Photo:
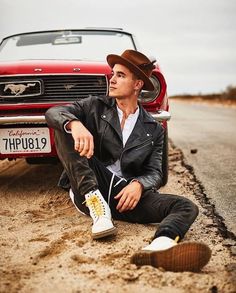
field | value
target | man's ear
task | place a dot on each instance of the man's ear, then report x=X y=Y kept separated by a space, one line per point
x=139 y=84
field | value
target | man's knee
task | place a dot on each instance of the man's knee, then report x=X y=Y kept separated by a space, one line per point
x=194 y=210
x=63 y=140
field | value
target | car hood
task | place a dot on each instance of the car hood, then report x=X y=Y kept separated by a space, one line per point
x=33 y=67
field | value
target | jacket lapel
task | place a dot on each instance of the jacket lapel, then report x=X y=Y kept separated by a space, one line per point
x=111 y=117
x=140 y=135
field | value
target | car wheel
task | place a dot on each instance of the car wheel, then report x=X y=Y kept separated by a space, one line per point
x=165 y=159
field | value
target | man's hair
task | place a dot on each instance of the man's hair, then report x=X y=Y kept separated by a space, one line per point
x=135 y=77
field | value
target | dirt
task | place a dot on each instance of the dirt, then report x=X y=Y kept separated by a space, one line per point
x=46 y=246
x=216 y=102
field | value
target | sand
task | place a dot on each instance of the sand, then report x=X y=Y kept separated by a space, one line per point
x=46 y=245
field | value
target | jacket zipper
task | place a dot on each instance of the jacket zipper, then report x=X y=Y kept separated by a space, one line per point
x=140 y=146
x=144 y=145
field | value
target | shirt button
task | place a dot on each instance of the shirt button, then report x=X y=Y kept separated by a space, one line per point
x=104 y=116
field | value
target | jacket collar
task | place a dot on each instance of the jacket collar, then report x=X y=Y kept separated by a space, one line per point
x=110 y=114
x=139 y=133
x=109 y=101
x=143 y=115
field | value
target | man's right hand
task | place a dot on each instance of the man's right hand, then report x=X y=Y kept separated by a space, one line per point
x=83 y=139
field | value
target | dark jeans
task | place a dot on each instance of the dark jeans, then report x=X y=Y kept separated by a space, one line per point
x=174 y=213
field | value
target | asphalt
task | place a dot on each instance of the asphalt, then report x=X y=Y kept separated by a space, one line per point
x=206 y=134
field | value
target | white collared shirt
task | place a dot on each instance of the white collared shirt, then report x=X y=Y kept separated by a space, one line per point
x=130 y=122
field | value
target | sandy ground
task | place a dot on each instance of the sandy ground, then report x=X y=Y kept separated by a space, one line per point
x=45 y=244
x=203 y=100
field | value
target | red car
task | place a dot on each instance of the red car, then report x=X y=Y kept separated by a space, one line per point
x=39 y=70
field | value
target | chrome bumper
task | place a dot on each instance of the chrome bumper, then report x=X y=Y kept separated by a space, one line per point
x=161 y=115
x=158 y=116
x=22 y=119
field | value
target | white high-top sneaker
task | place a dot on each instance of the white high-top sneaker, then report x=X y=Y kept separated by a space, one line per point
x=101 y=215
x=166 y=253
x=160 y=243
x=72 y=197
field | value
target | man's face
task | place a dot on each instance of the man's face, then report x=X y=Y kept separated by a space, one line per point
x=123 y=83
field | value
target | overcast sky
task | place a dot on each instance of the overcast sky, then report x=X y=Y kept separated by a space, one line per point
x=194 y=41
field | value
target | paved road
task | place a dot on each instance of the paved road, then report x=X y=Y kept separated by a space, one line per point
x=212 y=131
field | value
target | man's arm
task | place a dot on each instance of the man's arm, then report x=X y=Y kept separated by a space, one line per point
x=152 y=169
x=130 y=195
x=70 y=118
x=83 y=139
x=58 y=116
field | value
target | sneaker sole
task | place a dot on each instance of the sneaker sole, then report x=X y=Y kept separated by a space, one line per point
x=182 y=257
x=106 y=233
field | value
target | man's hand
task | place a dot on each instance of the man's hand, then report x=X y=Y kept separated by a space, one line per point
x=129 y=196
x=83 y=139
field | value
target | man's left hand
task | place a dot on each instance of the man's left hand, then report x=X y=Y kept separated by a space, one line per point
x=129 y=196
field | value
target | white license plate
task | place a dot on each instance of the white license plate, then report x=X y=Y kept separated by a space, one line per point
x=24 y=140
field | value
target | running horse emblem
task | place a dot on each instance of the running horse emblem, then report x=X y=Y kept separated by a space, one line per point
x=17 y=89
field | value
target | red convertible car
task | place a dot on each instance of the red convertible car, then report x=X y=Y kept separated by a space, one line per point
x=39 y=70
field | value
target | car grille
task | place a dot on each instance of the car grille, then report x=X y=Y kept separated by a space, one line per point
x=52 y=88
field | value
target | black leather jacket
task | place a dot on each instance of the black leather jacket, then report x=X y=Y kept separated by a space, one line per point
x=141 y=158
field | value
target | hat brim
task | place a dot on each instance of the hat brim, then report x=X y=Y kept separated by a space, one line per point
x=113 y=59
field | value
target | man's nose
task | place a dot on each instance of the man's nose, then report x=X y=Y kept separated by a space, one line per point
x=113 y=79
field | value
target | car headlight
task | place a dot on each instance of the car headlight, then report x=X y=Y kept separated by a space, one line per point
x=146 y=96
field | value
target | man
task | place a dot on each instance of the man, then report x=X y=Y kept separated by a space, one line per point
x=111 y=150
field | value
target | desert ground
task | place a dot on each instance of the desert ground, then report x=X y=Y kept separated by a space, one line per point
x=46 y=246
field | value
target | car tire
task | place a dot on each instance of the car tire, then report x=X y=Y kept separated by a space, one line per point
x=165 y=159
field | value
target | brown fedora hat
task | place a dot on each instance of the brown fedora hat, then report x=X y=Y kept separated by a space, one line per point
x=137 y=63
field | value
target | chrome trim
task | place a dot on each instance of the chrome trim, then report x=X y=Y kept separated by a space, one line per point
x=158 y=116
x=51 y=74
x=38 y=69
x=20 y=94
x=22 y=119
x=161 y=115
x=86 y=29
x=49 y=81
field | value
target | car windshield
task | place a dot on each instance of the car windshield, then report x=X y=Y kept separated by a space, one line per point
x=92 y=45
